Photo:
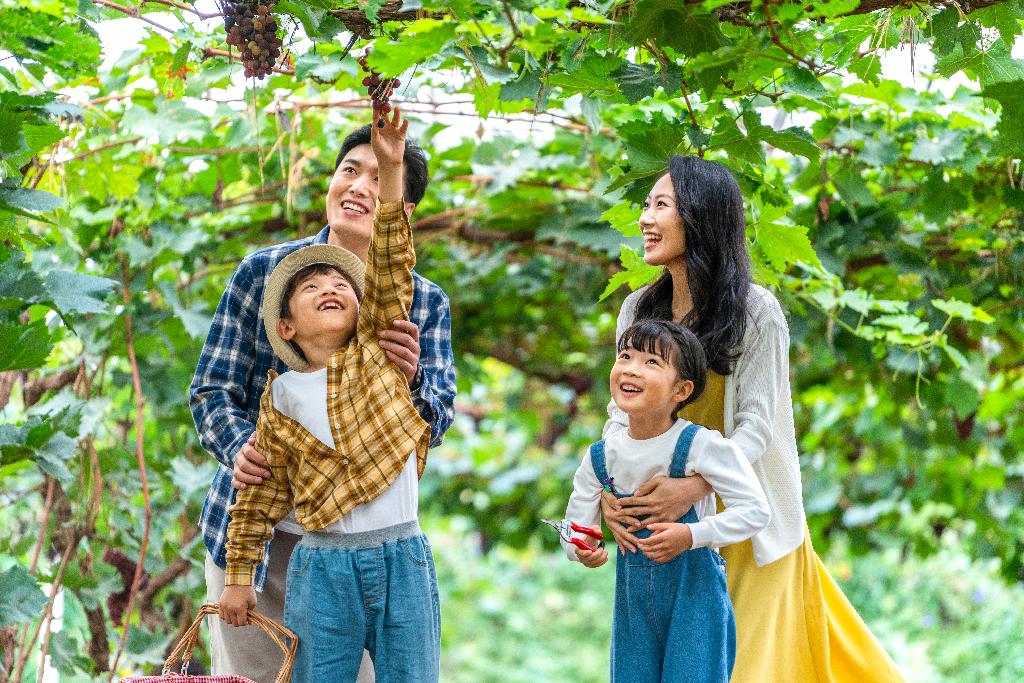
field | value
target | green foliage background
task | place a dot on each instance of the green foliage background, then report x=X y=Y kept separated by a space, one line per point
x=887 y=215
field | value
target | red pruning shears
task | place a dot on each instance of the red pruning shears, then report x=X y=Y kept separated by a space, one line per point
x=565 y=527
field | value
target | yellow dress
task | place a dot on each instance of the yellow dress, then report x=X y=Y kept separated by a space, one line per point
x=793 y=623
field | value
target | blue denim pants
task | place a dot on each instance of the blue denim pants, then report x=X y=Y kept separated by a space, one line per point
x=375 y=590
x=673 y=622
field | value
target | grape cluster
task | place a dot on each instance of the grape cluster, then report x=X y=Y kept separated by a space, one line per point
x=253 y=30
x=379 y=89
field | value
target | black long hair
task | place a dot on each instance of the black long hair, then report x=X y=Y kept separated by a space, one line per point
x=710 y=204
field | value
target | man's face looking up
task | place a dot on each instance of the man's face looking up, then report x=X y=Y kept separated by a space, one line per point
x=351 y=198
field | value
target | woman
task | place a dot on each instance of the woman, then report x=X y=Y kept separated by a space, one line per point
x=793 y=622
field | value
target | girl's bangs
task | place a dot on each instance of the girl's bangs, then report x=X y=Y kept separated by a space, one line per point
x=648 y=337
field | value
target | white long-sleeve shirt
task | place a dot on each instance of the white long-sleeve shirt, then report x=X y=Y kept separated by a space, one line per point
x=631 y=462
x=758 y=418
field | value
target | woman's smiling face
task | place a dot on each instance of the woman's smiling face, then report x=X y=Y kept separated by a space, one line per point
x=663 y=230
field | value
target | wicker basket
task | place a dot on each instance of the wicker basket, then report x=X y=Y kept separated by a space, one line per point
x=183 y=651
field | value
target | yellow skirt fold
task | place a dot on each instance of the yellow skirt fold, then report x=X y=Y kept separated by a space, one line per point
x=793 y=623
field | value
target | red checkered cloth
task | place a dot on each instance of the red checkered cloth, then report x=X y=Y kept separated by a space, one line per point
x=285 y=639
x=175 y=677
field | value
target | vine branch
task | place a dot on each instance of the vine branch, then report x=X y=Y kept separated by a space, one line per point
x=140 y=457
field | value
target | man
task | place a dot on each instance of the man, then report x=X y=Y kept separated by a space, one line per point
x=232 y=373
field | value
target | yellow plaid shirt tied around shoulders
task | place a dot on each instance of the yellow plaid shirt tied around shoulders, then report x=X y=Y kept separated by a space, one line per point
x=373 y=421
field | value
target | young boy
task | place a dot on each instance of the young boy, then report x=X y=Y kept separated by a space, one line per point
x=673 y=620
x=345 y=446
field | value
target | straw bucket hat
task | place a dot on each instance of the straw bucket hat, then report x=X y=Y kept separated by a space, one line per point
x=337 y=257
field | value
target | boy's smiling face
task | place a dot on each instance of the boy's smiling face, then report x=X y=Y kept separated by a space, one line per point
x=323 y=306
x=646 y=384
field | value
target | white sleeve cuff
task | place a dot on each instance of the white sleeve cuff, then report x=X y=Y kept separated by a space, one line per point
x=701 y=532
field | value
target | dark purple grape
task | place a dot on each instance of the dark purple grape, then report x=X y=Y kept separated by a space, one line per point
x=252 y=28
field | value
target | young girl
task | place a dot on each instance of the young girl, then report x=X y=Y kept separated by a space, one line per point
x=793 y=621
x=673 y=620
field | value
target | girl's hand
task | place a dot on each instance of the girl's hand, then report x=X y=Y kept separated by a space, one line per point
x=667 y=542
x=592 y=558
x=617 y=522
x=388 y=141
x=664 y=499
x=235 y=602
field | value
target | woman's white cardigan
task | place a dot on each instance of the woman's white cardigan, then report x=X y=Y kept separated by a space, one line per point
x=758 y=418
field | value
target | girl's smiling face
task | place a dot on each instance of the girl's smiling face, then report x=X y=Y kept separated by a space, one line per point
x=661 y=225
x=647 y=384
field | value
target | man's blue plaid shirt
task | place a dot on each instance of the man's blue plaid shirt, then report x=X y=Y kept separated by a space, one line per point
x=232 y=372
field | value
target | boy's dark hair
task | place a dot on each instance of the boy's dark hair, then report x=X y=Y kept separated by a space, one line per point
x=414 y=160
x=676 y=344
x=309 y=271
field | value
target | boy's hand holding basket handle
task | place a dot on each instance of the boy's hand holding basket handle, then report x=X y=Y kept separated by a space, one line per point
x=183 y=651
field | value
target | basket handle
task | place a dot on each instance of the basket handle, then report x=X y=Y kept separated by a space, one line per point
x=276 y=631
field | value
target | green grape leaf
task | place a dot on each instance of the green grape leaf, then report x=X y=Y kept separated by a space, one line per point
x=649 y=146
x=525 y=87
x=803 y=82
x=636 y=81
x=939 y=148
x=1011 y=117
x=21 y=599
x=730 y=138
x=852 y=188
x=961 y=309
x=635 y=273
x=24 y=199
x=314 y=17
x=52 y=457
x=66 y=47
x=73 y=292
x=880 y=150
x=781 y=243
x=323 y=67
x=795 y=140
x=26 y=347
x=593 y=75
x=675 y=25
x=67 y=653
x=18 y=282
x=1005 y=17
x=833 y=8
x=623 y=217
x=995 y=64
x=420 y=40
x=491 y=73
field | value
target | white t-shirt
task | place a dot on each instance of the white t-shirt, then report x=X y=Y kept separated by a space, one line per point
x=632 y=462
x=302 y=396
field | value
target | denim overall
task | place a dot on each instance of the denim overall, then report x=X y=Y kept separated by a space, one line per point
x=672 y=621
